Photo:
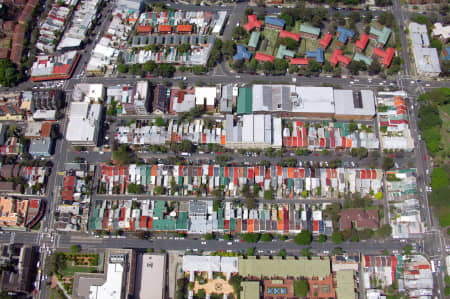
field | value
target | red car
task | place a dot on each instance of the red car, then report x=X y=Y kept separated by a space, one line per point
x=425 y=158
x=316 y=155
x=392 y=156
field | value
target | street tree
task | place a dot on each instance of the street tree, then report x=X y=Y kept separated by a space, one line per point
x=303 y=238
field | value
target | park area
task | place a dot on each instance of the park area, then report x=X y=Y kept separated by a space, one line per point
x=65 y=265
x=434 y=123
x=214 y=287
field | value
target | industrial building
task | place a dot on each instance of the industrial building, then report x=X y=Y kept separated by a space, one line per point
x=253 y=130
x=314 y=102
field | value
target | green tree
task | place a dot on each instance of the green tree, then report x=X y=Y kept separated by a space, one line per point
x=228 y=48
x=384 y=231
x=266 y=237
x=388 y=163
x=9 y=75
x=306 y=252
x=374 y=68
x=209 y=237
x=150 y=66
x=268 y=194
x=135 y=189
x=282 y=253
x=75 y=248
x=158 y=190
x=199 y=69
x=251 y=238
x=322 y=238
x=352 y=127
x=122 y=68
x=159 y=121
x=337 y=237
x=251 y=251
x=303 y=238
x=301 y=288
x=268 y=67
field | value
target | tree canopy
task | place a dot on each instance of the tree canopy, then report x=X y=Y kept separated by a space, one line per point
x=9 y=75
x=303 y=238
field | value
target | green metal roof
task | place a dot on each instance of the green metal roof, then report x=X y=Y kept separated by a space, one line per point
x=244 y=101
x=363 y=58
x=301 y=267
x=283 y=51
x=164 y=224
x=250 y=290
x=254 y=39
x=345 y=284
x=182 y=221
x=382 y=35
x=309 y=29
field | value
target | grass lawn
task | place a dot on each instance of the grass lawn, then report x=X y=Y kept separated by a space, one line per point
x=370 y=47
x=441 y=158
x=307 y=45
x=71 y=269
x=272 y=37
x=296 y=28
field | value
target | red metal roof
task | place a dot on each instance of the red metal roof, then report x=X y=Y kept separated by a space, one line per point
x=252 y=23
x=362 y=42
x=325 y=41
x=263 y=57
x=144 y=29
x=294 y=36
x=184 y=28
x=164 y=28
x=385 y=55
x=339 y=57
x=299 y=61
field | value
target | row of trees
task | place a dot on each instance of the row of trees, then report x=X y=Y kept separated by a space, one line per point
x=150 y=67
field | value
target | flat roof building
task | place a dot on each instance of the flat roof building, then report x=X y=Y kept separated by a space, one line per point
x=84 y=123
x=150 y=276
x=301 y=267
x=427 y=59
x=354 y=105
x=321 y=102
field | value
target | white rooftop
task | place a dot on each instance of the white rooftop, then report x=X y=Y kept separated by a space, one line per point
x=442 y=31
x=194 y=263
x=112 y=288
x=150 y=280
x=348 y=103
x=205 y=95
x=314 y=100
x=83 y=122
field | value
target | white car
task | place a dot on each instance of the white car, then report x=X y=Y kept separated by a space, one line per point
x=229 y=243
x=203 y=243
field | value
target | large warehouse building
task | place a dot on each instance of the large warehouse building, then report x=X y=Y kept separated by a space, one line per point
x=313 y=102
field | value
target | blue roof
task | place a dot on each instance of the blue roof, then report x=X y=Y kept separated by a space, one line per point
x=242 y=53
x=448 y=54
x=275 y=21
x=344 y=34
x=317 y=54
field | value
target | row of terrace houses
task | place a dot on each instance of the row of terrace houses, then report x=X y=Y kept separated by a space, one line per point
x=285 y=181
